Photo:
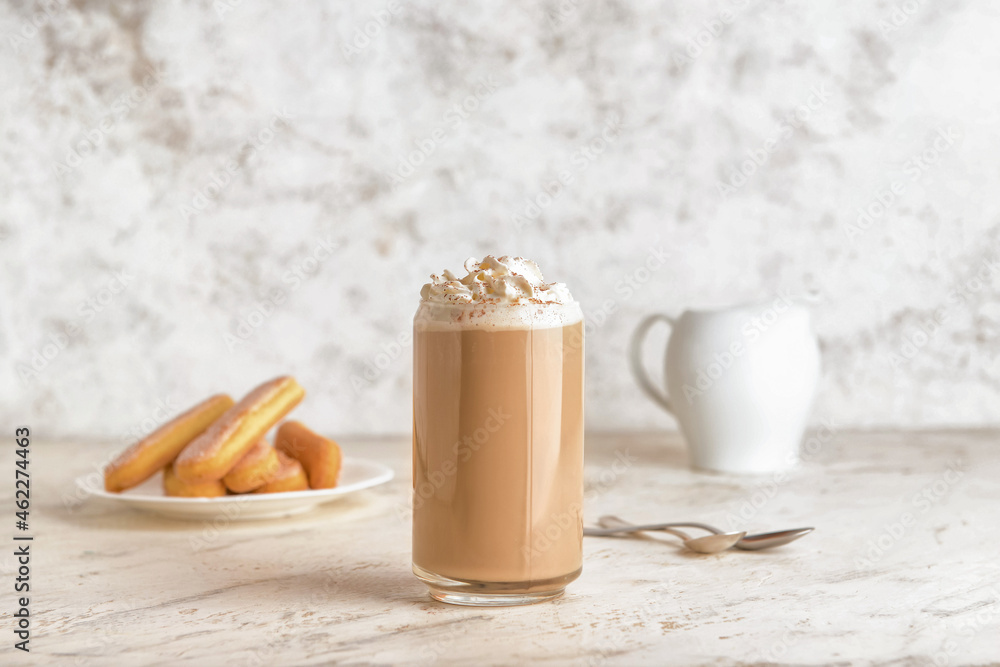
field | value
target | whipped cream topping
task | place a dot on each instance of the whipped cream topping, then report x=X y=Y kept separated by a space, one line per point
x=496 y=293
x=503 y=280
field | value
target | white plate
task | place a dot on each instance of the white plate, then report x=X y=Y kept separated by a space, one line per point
x=355 y=474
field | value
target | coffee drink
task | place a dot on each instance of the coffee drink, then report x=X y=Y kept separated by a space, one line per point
x=498 y=435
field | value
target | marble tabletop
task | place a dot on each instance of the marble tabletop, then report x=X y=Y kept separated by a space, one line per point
x=902 y=569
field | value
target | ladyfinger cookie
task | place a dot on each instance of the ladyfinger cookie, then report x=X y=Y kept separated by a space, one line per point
x=318 y=455
x=175 y=487
x=291 y=477
x=140 y=461
x=216 y=451
x=255 y=469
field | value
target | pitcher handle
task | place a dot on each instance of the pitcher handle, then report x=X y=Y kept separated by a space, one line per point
x=635 y=357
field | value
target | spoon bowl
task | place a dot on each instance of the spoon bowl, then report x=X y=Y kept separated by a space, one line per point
x=713 y=544
x=770 y=540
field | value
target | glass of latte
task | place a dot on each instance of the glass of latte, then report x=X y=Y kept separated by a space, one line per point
x=497 y=435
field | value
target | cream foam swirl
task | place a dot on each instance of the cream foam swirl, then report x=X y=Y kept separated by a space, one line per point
x=504 y=280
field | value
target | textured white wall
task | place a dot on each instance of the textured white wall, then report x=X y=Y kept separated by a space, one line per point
x=233 y=143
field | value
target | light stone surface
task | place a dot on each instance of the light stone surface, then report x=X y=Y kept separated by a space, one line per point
x=205 y=251
x=901 y=569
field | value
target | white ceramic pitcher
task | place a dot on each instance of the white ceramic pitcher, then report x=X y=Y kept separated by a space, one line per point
x=740 y=382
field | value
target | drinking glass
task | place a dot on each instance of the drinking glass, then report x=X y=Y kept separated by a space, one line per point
x=497 y=451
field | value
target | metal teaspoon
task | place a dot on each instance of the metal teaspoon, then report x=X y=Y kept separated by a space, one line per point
x=612 y=525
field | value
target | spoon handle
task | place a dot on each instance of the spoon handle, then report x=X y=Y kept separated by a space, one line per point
x=612 y=525
x=617 y=526
x=605 y=532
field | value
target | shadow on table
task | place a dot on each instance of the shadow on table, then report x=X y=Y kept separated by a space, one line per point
x=379 y=583
x=100 y=516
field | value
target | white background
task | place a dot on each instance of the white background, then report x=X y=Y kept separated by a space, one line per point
x=695 y=88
